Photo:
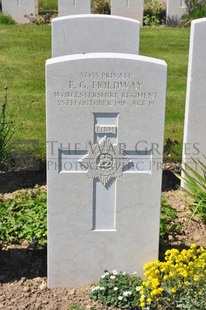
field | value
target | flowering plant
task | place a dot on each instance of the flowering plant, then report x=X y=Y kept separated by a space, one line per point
x=177 y=283
x=117 y=289
x=195 y=9
x=154 y=13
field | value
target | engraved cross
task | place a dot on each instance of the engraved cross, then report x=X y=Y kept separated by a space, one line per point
x=104 y=161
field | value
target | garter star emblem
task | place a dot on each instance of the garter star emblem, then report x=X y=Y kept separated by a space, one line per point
x=104 y=160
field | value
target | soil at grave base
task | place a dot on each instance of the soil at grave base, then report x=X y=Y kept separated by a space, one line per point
x=23 y=282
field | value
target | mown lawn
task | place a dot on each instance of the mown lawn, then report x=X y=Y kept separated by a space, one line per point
x=25 y=48
x=171 y=45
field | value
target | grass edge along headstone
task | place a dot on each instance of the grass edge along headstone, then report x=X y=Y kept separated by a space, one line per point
x=17 y=9
x=73 y=7
x=105 y=128
x=96 y=33
x=194 y=144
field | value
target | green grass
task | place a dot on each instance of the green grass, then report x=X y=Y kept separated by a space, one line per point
x=25 y=48
x=171 y=45
x=23 y=51
x=50 y=4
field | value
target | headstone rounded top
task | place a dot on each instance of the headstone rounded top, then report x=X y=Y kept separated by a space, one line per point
x=105 y=56
x=94 y=33
x=94 y=16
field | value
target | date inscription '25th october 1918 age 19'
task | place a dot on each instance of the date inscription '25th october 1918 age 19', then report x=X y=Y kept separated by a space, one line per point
x=106 y=89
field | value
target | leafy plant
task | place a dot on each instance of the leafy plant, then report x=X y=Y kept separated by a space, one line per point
x=195 y=9
x=6 y=20
x=178 y=282
x=154 y=13
x=167 y=219
x=195 y=188
x=23 y=218
x=101 y=7
x=169 y=147
x=117 y=289
x=7 y=130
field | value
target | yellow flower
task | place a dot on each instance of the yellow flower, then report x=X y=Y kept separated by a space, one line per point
x=142 y=304
x=193 y=246
x=173 y=290
x=196 y=278
x=171 y=274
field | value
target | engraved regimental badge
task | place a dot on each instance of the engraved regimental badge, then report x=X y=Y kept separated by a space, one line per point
x=104 y=160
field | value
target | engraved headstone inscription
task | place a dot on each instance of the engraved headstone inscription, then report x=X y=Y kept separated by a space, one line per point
x=176 y=9
x=194 y=143
x=73 y=7
x=17 y=9
x=105 y=127
x=79 y=34
x=128 y=8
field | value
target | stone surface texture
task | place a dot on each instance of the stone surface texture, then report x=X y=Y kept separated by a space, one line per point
x=194 y=145
x=73 y=7
x=80 y=34
x=108 y=108
x=128 y=8
x=176 y=9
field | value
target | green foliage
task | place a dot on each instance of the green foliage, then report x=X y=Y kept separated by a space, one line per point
x=6 y=20
x=117 y=289
x=23 y=218
x=176 y=283
x=100 y=7
x=170 y=147
x=154 y=13
x=7 y=130
x=168 y=225
x=194 y=180
x=195 y=9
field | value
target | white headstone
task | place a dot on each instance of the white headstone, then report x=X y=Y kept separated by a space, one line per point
x=176 y=9
x=79 y=34
x=128 y=8
x=73 y=7
x=17 y=9
x=105 y=128
x=195 y=115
